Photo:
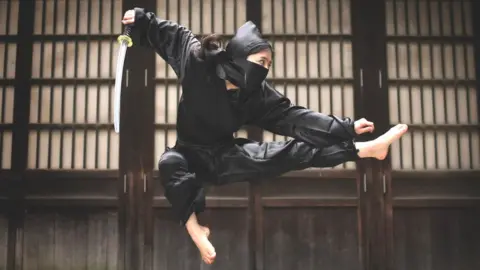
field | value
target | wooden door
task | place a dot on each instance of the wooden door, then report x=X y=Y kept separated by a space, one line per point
x=63 y=186
x=433 y=198
x=306 y=219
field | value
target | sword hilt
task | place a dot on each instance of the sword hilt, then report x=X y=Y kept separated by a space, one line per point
x=125 y=37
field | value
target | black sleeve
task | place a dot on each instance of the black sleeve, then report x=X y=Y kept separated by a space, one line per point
x=278 y=115
x=172 y=41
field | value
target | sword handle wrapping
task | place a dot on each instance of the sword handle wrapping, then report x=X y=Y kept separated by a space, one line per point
x=125 y=37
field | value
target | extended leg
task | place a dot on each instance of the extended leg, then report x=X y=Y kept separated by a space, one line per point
x=337 y=154
x=186 y=196
x=248 y=160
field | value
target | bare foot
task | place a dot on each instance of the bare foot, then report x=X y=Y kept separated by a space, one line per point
x=200 y=236
x=378 y=148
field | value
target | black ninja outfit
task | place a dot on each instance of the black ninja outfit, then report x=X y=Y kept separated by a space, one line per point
x=206 y=151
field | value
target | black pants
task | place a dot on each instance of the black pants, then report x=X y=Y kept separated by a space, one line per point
x=185 y=169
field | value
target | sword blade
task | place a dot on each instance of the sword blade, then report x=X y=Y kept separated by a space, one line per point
x=118 y=85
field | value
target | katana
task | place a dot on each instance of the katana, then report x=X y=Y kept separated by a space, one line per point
x=125 y=41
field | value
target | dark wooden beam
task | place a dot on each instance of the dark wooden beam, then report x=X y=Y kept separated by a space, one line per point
x=146 y=135
x=476 y=28
x=255 y=214
x=23 y=73
x=369 y=23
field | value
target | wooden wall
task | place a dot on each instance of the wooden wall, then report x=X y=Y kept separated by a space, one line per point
x=91 y=199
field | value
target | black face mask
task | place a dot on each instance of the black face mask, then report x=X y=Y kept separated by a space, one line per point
x=248 y=76
x=235 y=67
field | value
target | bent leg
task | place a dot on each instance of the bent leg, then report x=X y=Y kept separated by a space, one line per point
x=187 y=199
x=182 y=189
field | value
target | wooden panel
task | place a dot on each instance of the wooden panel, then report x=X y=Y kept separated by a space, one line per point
x=436 y=239
x=430 y=192
x=6 y=149
x=71 y=105
x=199 y=18
x=432 y=222
x=431 y=82
x=173 y=248
x=71 y=189
x=233 y=195
x=8 y=51
x=70 y=240
x=4 y=185
x=306 y=17
x=3 y=241
x=309 y=192
x=9 y=17
x=318 y=59
x=320 y=238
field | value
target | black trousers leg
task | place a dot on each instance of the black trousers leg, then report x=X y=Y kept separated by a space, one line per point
x=334 y=155
x=182 y=188
x=247 y=160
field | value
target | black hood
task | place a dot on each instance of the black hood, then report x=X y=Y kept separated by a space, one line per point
x=247 y=40
x=232 y=63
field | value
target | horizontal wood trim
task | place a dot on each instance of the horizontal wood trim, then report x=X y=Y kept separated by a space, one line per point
x=436 y=174
x=229 y=202
x=310 y=202
x=66 y=126
x=71 y=174
x=430 y=82
x=271 y=36
x=317 y=174
x=113 y=37
x=170 y=81
x=443 y=127
x=436 y=202
x=211 y=202
x=71 y=201
x=431 y=39
x=114 y=174
x=283 y=80
x=9 y=175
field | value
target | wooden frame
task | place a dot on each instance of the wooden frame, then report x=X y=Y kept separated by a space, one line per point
x=133 y=189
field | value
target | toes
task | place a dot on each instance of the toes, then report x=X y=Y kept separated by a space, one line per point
x=208 y=259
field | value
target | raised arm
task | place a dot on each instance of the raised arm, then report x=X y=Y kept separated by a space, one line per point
x=277 y=114
x=172 y=41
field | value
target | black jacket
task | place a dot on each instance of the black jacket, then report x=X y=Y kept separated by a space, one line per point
x=208 y=114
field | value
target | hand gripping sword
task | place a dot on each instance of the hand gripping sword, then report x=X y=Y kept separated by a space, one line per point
x=125 y=41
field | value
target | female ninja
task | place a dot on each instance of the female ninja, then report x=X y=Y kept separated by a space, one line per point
x=223 y=90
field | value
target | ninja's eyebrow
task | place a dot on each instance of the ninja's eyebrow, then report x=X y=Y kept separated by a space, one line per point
x=266 y=59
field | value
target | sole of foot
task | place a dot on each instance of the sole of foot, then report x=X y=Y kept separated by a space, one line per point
x=381 y=144
x=200 y=237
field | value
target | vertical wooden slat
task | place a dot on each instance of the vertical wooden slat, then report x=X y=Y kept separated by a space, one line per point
x=255 y=214
x=129 y=151
x=148 y=147
x=20 y=132
x=476 y=29
x=359 y=59
x=372 y=48
x=136 y=144
x=382 y=169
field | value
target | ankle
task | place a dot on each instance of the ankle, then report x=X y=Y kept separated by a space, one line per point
x=192 y=223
